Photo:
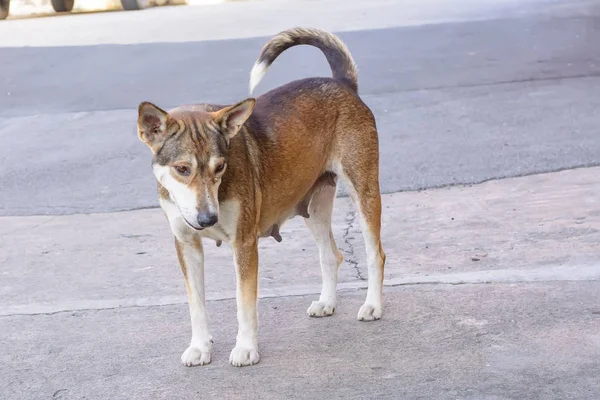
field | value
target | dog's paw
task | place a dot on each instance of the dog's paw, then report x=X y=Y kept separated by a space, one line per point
x=242 y=357
x=194 y=356
x=369 y=312
x=320 y=309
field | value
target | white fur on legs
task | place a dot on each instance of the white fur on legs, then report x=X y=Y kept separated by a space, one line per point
x=194 y=356
x=319 y=224
x=369 y=312
x=245 y=351
x=244 y=356
x=372 y=308
x=198 y=353
x=191 y=258
x=321 y=309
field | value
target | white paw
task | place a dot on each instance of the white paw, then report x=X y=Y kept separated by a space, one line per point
x=194 y=356
x=241 y=356
x=320 y=309
x=369 y=312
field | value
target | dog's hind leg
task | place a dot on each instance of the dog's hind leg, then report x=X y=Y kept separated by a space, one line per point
x=319 y=224
x=360 y=172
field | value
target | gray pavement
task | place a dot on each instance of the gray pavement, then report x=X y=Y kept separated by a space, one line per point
x=486 y=341
x=491 y=289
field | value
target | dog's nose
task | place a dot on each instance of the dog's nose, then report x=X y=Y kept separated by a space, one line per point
x=206 y=220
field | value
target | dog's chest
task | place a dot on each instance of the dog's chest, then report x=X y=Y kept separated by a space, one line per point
x=225 y=229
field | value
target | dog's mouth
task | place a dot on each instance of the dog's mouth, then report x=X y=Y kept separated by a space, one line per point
x=188 y=223
x=196 y=228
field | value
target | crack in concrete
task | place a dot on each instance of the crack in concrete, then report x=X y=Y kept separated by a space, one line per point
x=28 y=228
x=349 y=247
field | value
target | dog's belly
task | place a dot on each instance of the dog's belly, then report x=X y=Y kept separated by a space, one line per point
x=271 y=227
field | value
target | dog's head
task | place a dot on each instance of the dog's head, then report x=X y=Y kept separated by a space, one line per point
x=190 y=154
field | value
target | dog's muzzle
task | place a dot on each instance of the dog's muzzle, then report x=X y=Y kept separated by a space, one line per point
x=206 y=220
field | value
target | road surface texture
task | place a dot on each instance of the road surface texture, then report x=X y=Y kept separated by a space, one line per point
x=490 y=164
x=456 y=102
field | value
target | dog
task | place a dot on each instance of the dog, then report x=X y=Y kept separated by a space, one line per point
x=237 y=173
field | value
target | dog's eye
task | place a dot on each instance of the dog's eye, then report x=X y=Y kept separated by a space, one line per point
x=219 y=168
x=181 y=170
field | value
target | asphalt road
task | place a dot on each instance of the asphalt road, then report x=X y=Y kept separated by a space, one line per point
x=456 y=103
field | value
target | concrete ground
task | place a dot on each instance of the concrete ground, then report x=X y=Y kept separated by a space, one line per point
x=473 y=341
x=492 y=291
x=490 y=159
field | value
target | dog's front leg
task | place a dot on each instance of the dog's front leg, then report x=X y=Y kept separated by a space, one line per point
x=245 y=351
x=191 y=258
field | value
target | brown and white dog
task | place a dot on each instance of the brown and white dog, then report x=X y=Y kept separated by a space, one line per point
x=237 y=173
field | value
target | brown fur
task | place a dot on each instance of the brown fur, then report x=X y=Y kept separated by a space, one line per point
x=299 y=138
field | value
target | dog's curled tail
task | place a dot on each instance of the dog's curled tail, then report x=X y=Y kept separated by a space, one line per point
x=337 y=54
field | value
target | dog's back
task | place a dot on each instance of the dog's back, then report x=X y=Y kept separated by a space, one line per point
x=316 y=108
x=304 y=128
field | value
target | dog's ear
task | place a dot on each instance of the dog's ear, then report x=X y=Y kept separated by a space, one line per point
x=230 y=119
x=154 y=125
